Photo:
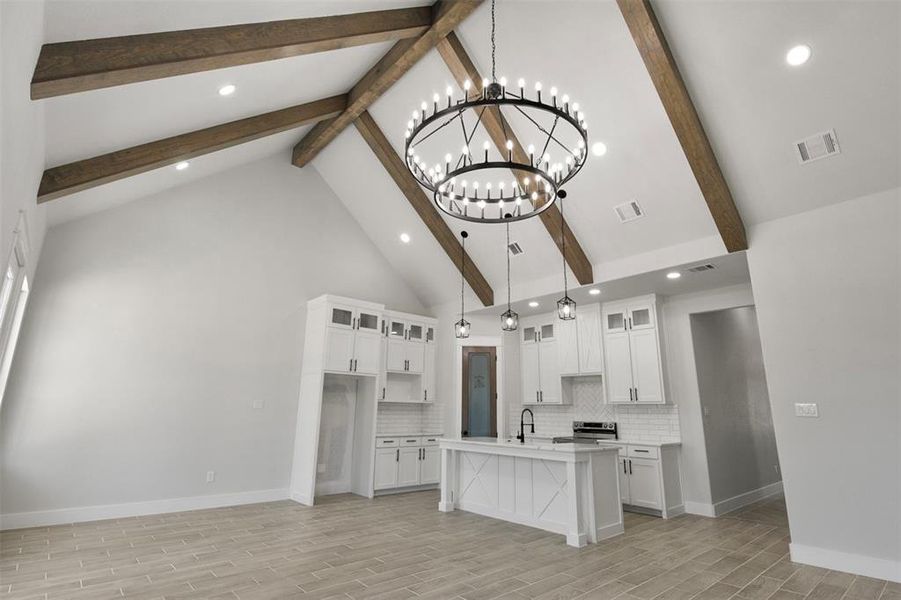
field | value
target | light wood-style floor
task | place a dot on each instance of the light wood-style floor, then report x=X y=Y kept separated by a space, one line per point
x=400 y=547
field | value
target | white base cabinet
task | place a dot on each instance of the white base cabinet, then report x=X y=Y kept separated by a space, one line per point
x=406 y=461
x=649 y=478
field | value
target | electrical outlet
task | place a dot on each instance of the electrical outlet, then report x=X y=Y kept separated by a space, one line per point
x=776 y=468
x=259 y=404
x=210 y=476
x=806 y=409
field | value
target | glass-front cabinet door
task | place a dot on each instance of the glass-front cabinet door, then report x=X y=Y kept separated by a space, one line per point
x=398 y=329
x=529 y=334
x=615 y=321
x=548 y=332
x=342 y=317
x=641 y=316
x=368 y=322
x=416 y=332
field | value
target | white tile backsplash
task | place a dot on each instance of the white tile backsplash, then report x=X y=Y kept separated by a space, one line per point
x=408 y=418
x=657 y=423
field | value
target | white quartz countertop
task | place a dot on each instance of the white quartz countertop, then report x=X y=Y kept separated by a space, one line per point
x=513 y=444
x=410 y=433
x=642 y=443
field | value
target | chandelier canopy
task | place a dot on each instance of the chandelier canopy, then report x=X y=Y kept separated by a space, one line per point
x=485 y=185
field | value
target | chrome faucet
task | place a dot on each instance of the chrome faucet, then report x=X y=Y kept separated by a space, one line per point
x=522 y=434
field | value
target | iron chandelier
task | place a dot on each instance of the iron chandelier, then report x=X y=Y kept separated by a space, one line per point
x=516 y=181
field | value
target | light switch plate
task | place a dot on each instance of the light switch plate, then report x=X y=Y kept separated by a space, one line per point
x=806 y=409
x=259 y=404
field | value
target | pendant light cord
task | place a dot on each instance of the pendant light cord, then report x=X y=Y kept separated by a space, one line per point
x=493 y=46
x=462 y=276
x=508 y=266
x=563 y=246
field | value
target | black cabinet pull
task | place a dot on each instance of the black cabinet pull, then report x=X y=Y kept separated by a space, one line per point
x=624 y=468
x=630 y=394
x=397 y=455
x=637 y=450
x=350 y=365
x=383 y=393
x=630 y=467
x=636 y=394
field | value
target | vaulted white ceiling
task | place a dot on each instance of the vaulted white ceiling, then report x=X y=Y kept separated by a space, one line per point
x=731 y=54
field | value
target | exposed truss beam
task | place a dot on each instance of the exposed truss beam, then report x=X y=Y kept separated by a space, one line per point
x=673 y=94
x=392 y=66
x=69 y=67
x=84 y=174
x=462 y=68
x=422 y=204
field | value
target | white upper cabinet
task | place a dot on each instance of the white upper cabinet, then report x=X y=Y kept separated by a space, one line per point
x=352 y=343
x=632 y=352
x=540 y=361
x=568 y=346
x=409 y=371
x=591 y=349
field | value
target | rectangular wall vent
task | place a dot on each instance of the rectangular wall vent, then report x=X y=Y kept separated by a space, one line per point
x=628 y=211
x=700 y=268
x=817 y=146
x=515 y=249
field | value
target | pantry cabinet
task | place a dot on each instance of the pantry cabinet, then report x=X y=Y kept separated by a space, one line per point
x=632 y=352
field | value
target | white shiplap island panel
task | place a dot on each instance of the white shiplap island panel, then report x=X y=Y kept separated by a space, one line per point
x=571 y=489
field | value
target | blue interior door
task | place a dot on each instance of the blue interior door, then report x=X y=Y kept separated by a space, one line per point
x=479 y=392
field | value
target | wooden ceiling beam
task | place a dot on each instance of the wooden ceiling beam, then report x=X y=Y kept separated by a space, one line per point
x=92 y=172
x=392 y=66
x=499 y=130
x=422 y=204
x=70 y=67
x=654 y=50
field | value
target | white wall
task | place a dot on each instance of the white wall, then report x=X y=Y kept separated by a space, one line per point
x=682 y=377
x=153 y=327
x=738 y=423
x=827 y=286
x=21 y=125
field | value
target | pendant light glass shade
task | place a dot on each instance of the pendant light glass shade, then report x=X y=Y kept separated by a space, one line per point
x=461 y=327
x=509 y=319
x=566 y=306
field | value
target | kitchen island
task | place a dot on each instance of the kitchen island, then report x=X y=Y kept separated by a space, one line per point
x=571 y=489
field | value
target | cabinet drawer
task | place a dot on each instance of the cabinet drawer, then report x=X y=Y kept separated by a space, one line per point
x=389 y=442
x=410 y=441
x=644 y=452
x=430 y=440
x=621 y=448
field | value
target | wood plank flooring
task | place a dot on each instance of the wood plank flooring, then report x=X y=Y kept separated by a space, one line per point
x=400 y=547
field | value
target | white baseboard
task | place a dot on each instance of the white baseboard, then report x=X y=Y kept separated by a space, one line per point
x=858 y=564
x=81 y=514
x=700 y=508
x=301 y=498
x=735 y=502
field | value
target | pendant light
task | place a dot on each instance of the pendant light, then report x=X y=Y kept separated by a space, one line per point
x=566 y=306
x=461 y=327
x=509 y=320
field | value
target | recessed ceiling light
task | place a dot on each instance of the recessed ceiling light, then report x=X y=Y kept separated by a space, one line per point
x=673 y=275
x=798 y=55
x=533 y=304
x=405 y=238
x=227 y=90
x=181 y=166
x=599 y=148
x=594 y=291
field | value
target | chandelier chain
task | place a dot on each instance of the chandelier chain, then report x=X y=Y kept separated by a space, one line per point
x=493 y=46
x=462 y=275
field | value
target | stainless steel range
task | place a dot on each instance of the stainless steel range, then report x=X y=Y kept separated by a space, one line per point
x=589 y=432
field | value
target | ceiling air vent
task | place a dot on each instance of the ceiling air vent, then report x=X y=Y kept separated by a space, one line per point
x=817 y=146
x=700 y=268
x=628 y=211
x=515 y=249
